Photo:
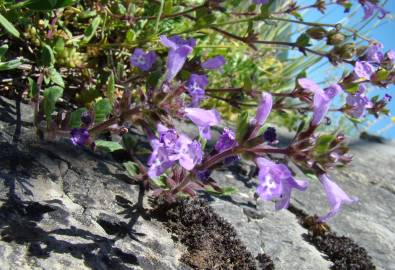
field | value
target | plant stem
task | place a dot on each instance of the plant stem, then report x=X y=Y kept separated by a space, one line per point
x=162 y=4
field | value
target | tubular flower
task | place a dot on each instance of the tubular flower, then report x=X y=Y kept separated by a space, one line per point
x=369 y=8
x=214 y=63
x=171 y=147
x=79 y=136
x=226 y=140
x=276 y=183
x=363 y=70
x=203 y=119
x=196 y=86
x=143 y=60
x=335 y=195
x=357 y=103
x=179 y=51
x=264 y=109
x=322 y=98
x=374 y=54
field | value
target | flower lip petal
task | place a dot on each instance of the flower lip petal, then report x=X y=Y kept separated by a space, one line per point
x=309 y=85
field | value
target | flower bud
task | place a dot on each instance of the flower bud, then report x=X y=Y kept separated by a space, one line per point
x=317 y=33
x=361 y=50
x=335 y=38
x=347 y=51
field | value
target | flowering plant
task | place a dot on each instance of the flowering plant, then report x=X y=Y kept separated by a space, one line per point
x=135 y=68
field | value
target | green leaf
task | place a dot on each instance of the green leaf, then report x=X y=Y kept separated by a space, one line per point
x=303 y=40
x=102 y=110
x=48 y=4
x=132 y=168
x=55 y=77
x=242 y=126
x=75 y=117
x=32 y=87
x=225 y=191
x=160 y=182
x=129 y=141
x=3 y=50
x=91 y=30
x=51 y=96
x=323 y=143
x=13 y=64
x=9 y=27
x=111 y=87
x=108 y=146
x=351 y=88
x=47 y=56
x=265 y=9
x=59 y=45
x=382 y=75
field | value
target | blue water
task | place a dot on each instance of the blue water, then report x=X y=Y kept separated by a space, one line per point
x=324 y=73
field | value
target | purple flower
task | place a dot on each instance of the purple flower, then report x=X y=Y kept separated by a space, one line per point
x=357 y=103
x=363 y=70
x=335 y=195
x=322 y=98
x=196 y=85
x=179 y=50
x=276 y=183
x=143 y=60
x=369 y=8
x=203 y=175
x=226 y=140
x=189 y=152
x=260 y=2
x=391 y=56
x=264 y=109
x=203 y=119
x=214 y=63
x=171 y=147
x=387 y=98
x=374 y=53
x=79 y=136
x=162 y=149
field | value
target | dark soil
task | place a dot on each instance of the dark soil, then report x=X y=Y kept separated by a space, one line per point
x=212 y=242
x=342 y=251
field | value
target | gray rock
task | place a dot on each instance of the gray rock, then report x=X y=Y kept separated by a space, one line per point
x=65 y=208
x=262 y=229
x=371 y=221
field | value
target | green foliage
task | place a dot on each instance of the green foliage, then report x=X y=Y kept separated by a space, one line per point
x=91 y=30
x=9 y=27
x=51 y=96
x=102 y=109
x=132 y=168
x=75 y=117
x=225 y=191
x=43 y=5
x=108 y=146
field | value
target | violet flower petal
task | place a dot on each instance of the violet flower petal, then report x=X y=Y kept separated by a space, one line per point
x=335 y=195
x=264 y=109
x=204 y=119
x=214 y=63
x=176 y=60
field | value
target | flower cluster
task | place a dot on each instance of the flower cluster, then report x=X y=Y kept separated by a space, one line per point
x=180 y=91
x=171 y=147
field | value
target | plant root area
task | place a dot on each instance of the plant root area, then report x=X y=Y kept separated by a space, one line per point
x=211 y=242
x=342 y=251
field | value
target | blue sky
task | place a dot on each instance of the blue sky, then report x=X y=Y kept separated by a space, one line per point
x=384 y=32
